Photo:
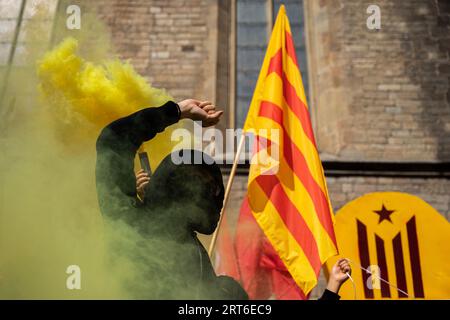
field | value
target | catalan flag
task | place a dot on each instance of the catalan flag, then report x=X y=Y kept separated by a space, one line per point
x=287 y=196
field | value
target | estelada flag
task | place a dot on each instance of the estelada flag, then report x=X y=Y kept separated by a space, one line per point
x=285 y=229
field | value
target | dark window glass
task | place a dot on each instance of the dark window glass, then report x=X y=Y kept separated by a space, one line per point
x=251 y=45
x=294 y=10
x=252 y=39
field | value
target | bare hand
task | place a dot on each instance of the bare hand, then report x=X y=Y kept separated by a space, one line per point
x=142 y=179
x=197 y=110
x=338 y=275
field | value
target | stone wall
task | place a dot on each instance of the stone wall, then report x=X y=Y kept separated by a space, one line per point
x=381 y=95
x=172 y=43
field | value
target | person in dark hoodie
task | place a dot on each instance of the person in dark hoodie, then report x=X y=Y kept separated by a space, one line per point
x=180 y=200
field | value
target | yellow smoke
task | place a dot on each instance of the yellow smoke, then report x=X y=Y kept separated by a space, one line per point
x=83 y=97
x=49 y=216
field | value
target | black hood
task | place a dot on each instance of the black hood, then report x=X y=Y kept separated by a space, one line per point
x=174 y=183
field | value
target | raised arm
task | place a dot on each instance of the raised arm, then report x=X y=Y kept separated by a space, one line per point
x=116 y=148
x=338 y=275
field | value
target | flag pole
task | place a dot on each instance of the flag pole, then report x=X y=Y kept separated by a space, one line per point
x=227 y=194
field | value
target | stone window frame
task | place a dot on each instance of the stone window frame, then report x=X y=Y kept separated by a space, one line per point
x=232 y=59
x=229 y=102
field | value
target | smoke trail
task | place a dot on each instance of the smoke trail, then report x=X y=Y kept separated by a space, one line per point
x=49 y=217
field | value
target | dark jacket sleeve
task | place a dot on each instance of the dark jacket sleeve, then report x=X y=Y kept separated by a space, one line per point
x=116 y=148
x=329 y=295
x=230 y=289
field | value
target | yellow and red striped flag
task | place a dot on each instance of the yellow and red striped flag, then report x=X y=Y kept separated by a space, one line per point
x=288 y=197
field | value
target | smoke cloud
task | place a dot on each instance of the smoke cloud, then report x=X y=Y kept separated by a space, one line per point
x=55 y=104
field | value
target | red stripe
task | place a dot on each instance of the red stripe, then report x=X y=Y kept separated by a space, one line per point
x=263 y=272
x=300 y=168
x=248 y=245
x=298 y=108
x=290 y=48
x=294 y=102
x=261 y=144
x=285 y=287
x=272 y=111
x=276 y=63
x=292 y=218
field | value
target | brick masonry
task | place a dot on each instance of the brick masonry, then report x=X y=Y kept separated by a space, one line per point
x=167 y=41
x=434 y=191
x=381 y=94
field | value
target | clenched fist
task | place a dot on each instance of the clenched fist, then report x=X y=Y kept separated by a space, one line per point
x=338 y=275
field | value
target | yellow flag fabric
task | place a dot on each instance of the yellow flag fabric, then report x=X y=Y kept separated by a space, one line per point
x=287 y=190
